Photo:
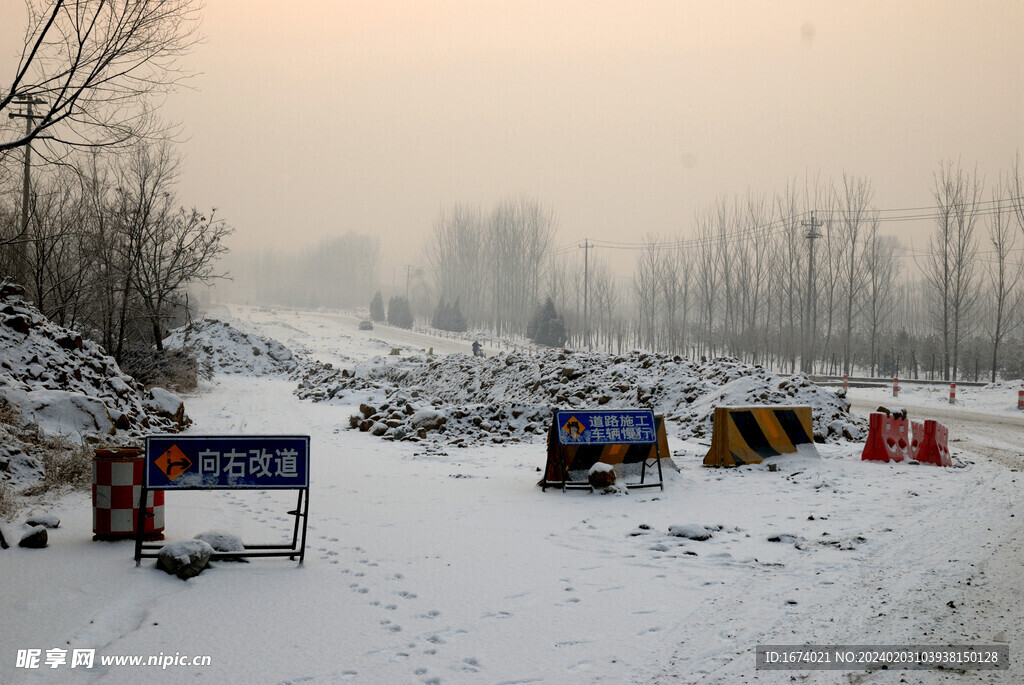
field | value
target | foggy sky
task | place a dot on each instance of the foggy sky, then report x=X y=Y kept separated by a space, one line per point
x=315 y=118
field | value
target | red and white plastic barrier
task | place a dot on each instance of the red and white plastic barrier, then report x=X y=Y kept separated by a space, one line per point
x=917 y=435
x=932 y=443
x=887 y=438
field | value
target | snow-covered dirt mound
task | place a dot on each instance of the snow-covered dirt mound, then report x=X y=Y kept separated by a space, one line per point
x=511 y=396
x=54 y=383
x=227 y=350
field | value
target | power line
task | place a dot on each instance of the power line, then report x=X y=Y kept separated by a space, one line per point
x=981 y=208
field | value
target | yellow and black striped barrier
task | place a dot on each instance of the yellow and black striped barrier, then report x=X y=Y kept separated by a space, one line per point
x=748 y=435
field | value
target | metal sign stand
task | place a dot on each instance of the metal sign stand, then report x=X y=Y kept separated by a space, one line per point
x=201 y=462
x=588 y=435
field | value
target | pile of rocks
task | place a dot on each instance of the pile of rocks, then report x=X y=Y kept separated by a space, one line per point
x=54 y=383
x=222 y=348
x=512 y=396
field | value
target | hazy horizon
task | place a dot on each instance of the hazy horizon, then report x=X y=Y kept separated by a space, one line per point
x=312 y=120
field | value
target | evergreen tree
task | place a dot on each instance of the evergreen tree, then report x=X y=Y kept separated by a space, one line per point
x=399 y=313
x=377 y=308
x=448 y=318
x=547 y=327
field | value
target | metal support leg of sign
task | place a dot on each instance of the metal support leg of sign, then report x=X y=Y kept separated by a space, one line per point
x=643 y=472
x=230 y=462
x=297 y=548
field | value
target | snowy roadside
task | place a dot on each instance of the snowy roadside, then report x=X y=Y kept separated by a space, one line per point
x=452 y=566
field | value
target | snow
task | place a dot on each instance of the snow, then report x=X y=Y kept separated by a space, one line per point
x=61 y=413
x=163 y=401
x=221 y=541
x=54 y=385
x=450 y=565
x=226 y=350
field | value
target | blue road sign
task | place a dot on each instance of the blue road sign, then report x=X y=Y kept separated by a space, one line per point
x=223 y=462
x=606 y=427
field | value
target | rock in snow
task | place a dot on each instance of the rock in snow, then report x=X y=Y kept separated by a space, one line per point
x=185 y=559
x=221 y=541
x=34 y=538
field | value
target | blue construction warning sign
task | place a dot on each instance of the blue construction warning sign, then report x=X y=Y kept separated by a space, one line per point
x=606 y=427
x=193 y=462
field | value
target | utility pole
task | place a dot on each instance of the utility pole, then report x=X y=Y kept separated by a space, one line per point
x=807 y=362
x=19 y=263
x=587 y=247
x=408 y=271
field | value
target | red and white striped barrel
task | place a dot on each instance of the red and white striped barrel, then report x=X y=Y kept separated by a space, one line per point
x=117 y=477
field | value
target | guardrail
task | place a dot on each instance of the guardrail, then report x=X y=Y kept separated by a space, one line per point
x=867 y=382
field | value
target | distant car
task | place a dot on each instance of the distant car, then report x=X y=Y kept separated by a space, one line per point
x=366 y=325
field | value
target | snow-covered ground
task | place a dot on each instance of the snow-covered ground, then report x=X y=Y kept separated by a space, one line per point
x=451 y=566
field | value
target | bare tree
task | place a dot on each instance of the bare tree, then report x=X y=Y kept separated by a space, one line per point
x=89 y=69
x=877 y=298
x=707 y=281
x=949 y=265
x=854 y=215
x=645 y=292
x=1003 y=277
x=141 y=201
x=790 y=287
x=455 y=255
x=1015 y=188
x=176 y=250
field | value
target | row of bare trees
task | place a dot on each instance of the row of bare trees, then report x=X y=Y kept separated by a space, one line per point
x=89 y=220
x=743 y=282
x=871 y=304
x=495 y=264
x=108 y=248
